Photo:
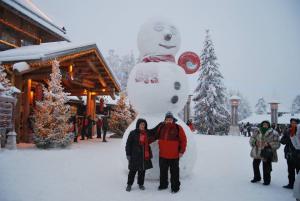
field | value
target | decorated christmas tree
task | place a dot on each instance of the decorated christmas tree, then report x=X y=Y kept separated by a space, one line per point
x=211 y=116
x=121 y=116
x=51 y=126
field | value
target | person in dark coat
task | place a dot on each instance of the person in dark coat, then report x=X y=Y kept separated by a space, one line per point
x=104 y=127
x=99 y=126
x=248 y=126
x=289 y=149
x=138 y=153
x=84 y=128
x=91 y=122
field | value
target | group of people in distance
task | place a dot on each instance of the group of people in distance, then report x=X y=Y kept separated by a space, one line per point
x=84 y=126
x=265 y=141
x=172 y=144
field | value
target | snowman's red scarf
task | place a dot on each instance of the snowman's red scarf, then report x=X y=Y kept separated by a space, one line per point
x=159 y=58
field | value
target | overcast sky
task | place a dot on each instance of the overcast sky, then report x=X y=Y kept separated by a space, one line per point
x=257 y=42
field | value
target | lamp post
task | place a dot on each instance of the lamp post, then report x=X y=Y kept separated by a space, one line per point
x=234 y=101
x=274 y=111
x=187 y=109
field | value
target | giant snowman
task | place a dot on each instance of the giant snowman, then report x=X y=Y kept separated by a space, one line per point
x=157 y=85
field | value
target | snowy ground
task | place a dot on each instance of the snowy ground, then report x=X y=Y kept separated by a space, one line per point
x=90 y=171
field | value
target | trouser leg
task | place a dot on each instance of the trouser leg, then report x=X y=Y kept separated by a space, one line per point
x=174 y=170
x=131 y=176
x=267 y=168
x=141 y=177
x=82 y=133
x=291 y=172
x=104 y=135
x=163 y=166
x=256 y=163
x=75 y=137
x=98 y=132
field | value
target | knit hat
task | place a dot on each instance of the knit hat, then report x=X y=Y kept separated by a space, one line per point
x=267 y=122
x=170 y=115
x=295 y=120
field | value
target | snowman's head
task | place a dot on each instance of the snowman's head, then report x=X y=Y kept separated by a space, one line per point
x=158 y=37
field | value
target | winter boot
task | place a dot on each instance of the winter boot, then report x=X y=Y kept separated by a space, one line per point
x=162 y=188
x=289 y=186
x=255 y=180
x=128 y=188
x=175 y=190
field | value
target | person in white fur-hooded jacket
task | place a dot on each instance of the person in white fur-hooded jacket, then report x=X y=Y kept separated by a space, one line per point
x=296 y=142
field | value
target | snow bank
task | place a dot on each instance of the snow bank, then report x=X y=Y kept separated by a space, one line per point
x=90 y=170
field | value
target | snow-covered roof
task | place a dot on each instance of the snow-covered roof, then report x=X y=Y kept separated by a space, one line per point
x=285 y=118
x=258 y=118
x=43 y=51
x=74 y=98
x=47 y=51
x=30 y=10
x=235 y=97
x=274 y=101
x=21 y=66
x=107 y=100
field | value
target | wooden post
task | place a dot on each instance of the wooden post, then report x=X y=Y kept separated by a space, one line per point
x=18 y=84
x=88 y=103
x=93 y=112
x=26 y=111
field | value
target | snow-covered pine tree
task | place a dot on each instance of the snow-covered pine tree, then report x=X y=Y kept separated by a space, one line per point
x=296 y=105
x=244 y=109
x=51 y=125
x=127 y=63
x=261 y=106
x=120 y=116
x=211 y=116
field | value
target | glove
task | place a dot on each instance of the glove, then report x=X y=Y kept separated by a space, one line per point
x=128 y=157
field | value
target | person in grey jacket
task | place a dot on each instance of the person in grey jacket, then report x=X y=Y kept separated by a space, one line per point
x=296 y=142
x=264 y=137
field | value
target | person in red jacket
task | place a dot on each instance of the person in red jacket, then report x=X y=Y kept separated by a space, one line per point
x=190 y=125
x=172 y=144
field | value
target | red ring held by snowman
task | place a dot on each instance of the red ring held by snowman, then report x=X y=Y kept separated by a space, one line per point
x=190 y=62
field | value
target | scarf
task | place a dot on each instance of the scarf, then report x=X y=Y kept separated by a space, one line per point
x=264 y=130
x=293 y=130
x=144 y=142
x=159 y=58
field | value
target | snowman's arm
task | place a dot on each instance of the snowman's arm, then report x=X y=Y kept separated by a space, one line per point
x=129 y=142
x=182 y=140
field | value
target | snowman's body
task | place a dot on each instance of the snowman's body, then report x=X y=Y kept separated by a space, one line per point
x=155 y=88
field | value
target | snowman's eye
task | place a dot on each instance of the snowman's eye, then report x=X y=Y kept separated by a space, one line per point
x=158 y=27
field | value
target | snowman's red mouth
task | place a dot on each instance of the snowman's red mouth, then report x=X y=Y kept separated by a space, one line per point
x=167 y=46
